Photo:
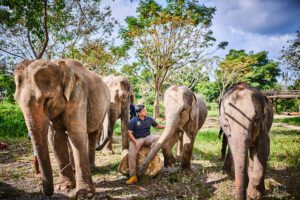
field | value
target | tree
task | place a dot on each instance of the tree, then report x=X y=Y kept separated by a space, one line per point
x=168 y=39
x=253 y=68
x=32 y=29
x=291 y=55
x=98 y=56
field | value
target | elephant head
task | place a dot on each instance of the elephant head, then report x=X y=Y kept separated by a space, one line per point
x=42 y=88
x=121 y=91
x=180 y=107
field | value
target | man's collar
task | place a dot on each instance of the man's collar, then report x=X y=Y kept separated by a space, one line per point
x=140 y=118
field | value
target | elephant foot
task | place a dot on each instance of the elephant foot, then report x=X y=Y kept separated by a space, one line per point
x=64 y=186
x=84 y=191
x=169 y=162
x=186 y=165
x=255 y=193
x=92 y=165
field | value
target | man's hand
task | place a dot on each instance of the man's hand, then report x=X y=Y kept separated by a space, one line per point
x=138 y=144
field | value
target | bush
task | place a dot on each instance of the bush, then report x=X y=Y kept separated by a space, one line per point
x=12 y=123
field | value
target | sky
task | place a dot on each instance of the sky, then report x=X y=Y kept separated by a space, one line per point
x=252 y=25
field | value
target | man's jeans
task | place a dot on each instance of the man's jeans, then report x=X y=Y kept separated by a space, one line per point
x=147 y=141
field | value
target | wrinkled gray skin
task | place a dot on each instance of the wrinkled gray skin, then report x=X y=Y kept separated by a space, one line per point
x=71 y=101
x=185 y=114
x=246 y=117
x=120 y=90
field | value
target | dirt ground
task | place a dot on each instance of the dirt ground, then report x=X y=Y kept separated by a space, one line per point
x=207 y=181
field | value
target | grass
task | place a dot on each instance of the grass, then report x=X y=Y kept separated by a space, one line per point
x=290 y=121
x=283 y=170
x=12 y=122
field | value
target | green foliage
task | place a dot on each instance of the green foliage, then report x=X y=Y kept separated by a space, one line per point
x=288 y=105
x=7 y=86
x=253 y=68
x=167 y=39
x=291 y=54
x=96 y=56
x=30 y=28
x=12 y=122
x=210 y=90
x=290 y=120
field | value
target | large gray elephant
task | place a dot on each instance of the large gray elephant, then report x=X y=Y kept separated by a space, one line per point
x=246 y=117
x=120 y=90
x=71 y=101
x=185 y=113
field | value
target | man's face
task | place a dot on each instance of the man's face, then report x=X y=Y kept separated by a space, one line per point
x=143 y=113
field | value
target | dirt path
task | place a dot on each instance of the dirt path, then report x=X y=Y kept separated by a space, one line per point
x=292 y=127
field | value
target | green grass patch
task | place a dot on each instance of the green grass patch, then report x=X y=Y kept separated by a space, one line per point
x=291 y=121
x=213 y=109
x=12 y=123
x=285 y=148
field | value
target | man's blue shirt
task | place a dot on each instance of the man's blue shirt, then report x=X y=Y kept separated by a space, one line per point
x=141 y=128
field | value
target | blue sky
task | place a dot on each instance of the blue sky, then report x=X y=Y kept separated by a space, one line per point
x=253 y=25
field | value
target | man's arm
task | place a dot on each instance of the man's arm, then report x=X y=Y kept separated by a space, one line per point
x=160 y=126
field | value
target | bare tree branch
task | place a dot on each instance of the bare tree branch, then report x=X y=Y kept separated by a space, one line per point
x=40 y=55
x=12 y=54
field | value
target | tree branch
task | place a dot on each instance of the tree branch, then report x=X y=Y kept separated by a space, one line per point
x=12 y=54
x=30 y=44
x=40 y=55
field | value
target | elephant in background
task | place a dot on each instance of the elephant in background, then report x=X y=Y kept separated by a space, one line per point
x=121 y=91
x=246 y=117
x=185 y=114
x=71 y=101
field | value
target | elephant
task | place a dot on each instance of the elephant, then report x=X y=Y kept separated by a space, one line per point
x=121 y=91
x=71 y=101
x=185 y=114
x=246 y=117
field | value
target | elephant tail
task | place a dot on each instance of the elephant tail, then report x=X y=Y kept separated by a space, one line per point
x=100 y=146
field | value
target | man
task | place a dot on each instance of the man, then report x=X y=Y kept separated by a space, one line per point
x=139 y=134
x=132 y=108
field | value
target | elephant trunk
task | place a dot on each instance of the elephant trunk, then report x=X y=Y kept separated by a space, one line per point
x=107 y=132
x=38 y=124
x=168 y=133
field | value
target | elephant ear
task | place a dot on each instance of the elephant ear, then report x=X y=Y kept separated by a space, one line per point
x=193 y=110
x=68 y=79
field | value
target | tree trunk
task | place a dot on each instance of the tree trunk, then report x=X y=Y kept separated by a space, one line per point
x=156 y=105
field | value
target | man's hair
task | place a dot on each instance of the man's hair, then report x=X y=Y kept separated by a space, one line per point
x=139 y=108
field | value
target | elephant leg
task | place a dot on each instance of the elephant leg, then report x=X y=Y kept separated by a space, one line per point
x=92 y=147
x=108 y=146
x=169 y=159
x=188 y=144
x=124 y=126
x=71 y=156
x=59 y=142
x=239 y=150
x=257 y=167
x=224 y=146
x=227 y=165
x=79 y=143
x=179 y=146
x=109 y=128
